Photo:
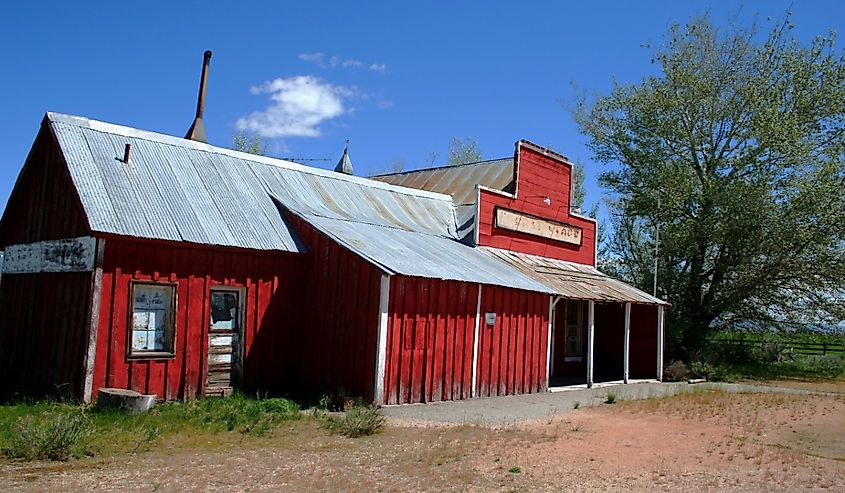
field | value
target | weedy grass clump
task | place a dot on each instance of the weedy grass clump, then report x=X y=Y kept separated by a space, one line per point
x=358 y=420
x=50 y=436
x=50 y=430
x=611 y=398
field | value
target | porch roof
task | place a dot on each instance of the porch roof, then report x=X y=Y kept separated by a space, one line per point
x=572 y=280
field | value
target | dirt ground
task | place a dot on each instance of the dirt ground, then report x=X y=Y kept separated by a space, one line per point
x=704 y=441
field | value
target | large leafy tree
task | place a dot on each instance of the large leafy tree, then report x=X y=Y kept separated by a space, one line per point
x=735 y=152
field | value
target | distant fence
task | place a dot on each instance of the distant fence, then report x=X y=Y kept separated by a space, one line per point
x=794 y=347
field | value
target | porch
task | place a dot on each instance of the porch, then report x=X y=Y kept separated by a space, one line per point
x=600 y=343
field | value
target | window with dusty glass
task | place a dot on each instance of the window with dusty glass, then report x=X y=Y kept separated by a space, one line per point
x=153 y=330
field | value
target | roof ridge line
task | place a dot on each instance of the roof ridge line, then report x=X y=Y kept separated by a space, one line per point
x=447 y=166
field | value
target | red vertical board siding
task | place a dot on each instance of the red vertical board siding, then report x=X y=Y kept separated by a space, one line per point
x=516 y=341
x=538 y=177
x=642 y=361
x=429 y=340
x=339 y=312
x=194 y=270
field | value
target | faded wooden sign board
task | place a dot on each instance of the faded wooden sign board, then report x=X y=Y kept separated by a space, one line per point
x=65 y=255
x=531 y=225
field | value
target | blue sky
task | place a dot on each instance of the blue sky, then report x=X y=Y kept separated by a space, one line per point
x=398 y=79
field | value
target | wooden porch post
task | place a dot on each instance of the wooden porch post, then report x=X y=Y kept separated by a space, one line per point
x=381 y=349
x=473 y=392
x=550 y=340
x=591 y=329
x=660 y=342
x=627 y=343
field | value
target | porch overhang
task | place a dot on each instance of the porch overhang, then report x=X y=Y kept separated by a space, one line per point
x=574 y=281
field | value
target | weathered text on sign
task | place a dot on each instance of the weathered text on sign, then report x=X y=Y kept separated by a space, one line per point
x=524 y=223
x=66 y=255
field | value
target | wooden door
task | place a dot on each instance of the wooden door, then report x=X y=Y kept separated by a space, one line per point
x=225 y=335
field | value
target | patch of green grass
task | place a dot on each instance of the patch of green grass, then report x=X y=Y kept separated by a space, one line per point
x=611 y=397
x=802 y=367
x=118 y=432
x=515 y=470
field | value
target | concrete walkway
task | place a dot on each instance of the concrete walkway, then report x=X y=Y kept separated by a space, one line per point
x=510 y=410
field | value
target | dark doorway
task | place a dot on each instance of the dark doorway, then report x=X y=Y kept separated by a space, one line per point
x=569 y=343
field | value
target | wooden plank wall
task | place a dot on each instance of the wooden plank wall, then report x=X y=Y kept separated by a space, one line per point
x=45 y=315
x=43 y=336
x=539 y=176
x=430 y=333
x=43 y=204
x=512 y=352
x=643 y=352
x=336 y=344
x=272 y=301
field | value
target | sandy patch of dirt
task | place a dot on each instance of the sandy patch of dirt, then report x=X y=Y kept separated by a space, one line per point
x=837 y=387
x=707 y=441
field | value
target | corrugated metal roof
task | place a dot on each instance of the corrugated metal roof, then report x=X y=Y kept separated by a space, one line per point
x=572 y=280
x=458 y=181
x=181 y=190
x=168 y=192
x=398 y=251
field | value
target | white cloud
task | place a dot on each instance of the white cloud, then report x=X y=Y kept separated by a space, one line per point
x=298 y=106
x=321 y=60
x=315 y=57
x=384 y=104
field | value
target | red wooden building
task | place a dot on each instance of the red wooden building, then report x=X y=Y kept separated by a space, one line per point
x=169 y=266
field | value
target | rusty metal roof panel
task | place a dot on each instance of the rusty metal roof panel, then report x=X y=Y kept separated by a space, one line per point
x=572 y=280
x=338 y=196
x=457 y=181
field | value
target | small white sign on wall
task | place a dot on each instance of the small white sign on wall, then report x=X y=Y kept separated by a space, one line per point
x=490 y=318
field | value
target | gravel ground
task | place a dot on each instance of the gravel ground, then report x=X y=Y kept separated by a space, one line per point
x=509 y=410
x=705 y=440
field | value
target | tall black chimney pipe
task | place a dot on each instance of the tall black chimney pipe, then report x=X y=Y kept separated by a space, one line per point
x=197 y=130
